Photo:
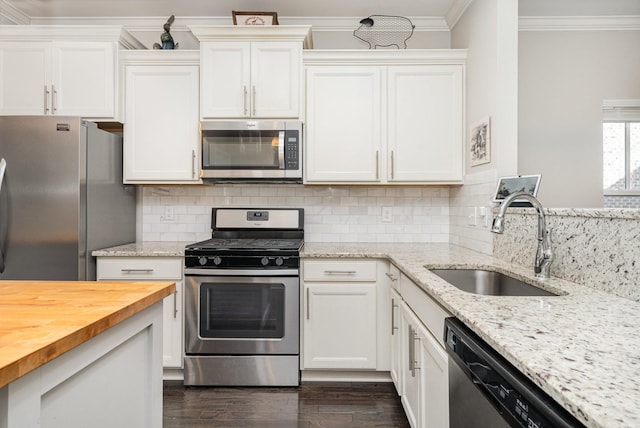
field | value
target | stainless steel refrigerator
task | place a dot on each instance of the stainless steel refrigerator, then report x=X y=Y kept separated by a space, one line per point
x=61 y=197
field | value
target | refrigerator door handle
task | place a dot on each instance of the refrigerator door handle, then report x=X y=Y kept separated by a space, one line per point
x=3 y=219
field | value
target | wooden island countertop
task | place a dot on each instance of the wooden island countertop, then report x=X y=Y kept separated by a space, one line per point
x=41 y=320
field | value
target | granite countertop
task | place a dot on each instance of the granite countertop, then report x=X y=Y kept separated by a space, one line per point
x=144 y=249
x=581 y=347
x=41 y=320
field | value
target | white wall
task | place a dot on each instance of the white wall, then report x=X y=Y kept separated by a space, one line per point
x=489 y=30
x=563 y=78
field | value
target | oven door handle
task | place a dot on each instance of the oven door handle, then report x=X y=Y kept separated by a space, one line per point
x=241 y=272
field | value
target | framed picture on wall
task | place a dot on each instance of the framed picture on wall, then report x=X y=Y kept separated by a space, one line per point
x=254 y=18
x=480 y=142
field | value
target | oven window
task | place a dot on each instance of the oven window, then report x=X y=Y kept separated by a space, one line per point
x=242 y=310
x=240 y=149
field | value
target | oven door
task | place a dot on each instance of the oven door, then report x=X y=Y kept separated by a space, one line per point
x=244 y=313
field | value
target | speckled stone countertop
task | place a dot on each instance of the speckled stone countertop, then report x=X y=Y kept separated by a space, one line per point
x=582 y=347
x=144 y=249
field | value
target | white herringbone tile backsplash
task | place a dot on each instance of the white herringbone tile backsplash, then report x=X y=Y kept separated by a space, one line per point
x=332 y=214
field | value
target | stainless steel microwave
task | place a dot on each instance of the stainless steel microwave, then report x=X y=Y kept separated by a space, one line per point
x=266 y=150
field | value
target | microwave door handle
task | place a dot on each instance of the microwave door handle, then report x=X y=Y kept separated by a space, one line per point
x=281 y=149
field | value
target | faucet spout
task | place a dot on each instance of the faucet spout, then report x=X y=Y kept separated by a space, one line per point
x=544 y=252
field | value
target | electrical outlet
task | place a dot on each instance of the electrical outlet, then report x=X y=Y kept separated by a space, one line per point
x=471 y=217
x=169 y=215
x=387 y=214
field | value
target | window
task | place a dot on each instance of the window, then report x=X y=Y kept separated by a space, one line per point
x=621 y=156
x=621 y=147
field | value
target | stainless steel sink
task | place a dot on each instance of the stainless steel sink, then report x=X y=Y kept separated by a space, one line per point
x=488 y=283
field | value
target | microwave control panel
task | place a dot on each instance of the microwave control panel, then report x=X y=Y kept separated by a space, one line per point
x=292 y=150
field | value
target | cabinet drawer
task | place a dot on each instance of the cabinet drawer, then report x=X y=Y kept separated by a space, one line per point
x=339 y=271
x=429 y=312
x=137 y=268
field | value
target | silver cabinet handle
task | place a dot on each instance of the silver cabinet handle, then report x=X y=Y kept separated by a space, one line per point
x=413 y=362
x=393 y=317
x=253 y=100
x=244 y=99
x=193 y=164
x=392 y=164
x=410 y=353
x=46 y=99
x=175 y=304
x=377 y=165
x=53 y=99
x=307 y=304
x=391 y=276
x=340 y=272
x=136 y=270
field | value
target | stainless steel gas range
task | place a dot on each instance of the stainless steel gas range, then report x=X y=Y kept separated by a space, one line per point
x=242 y=298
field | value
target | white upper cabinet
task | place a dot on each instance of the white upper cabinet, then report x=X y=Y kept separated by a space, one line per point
x=384 y=117
x=343 y=127
x=251 y=72
x=251 y=79
x=161 y=132
x=425 y=132
x=60 y=70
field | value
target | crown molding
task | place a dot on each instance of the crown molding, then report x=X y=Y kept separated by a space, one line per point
x=153 y=23
x=11 y=15
x=579 y=23
x=456 y=11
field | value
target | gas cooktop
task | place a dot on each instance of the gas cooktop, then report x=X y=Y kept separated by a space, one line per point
x=244 y=238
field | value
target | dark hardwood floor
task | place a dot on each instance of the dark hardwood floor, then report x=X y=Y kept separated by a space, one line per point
x=312 y=405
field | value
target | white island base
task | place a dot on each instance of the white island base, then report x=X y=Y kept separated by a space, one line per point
x=111 y=380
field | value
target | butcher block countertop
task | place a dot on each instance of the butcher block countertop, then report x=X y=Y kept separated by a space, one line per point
x=41 y=320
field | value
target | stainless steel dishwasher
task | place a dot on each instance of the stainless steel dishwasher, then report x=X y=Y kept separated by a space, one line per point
x=486 y=391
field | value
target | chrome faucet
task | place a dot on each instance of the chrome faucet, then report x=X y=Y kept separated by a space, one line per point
x=544 y=252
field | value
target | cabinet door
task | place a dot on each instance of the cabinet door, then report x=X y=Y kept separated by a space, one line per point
x=161 y=130
x=339 y=326
x=24 y=78
x=83 y=79
x=225 y=79
x=411 y=385
x=275 y=79
x=434 y=379
x=343 y=127
x=396 y=341
x=172 y=317
x=425 y=119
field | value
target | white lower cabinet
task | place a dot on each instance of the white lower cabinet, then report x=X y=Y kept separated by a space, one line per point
x=154 y=269
x=344 y=315
x=340 y=320
x=422 y=378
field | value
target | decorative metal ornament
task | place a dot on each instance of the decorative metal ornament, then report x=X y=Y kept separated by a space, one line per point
x=385 y=30
x=166 y=38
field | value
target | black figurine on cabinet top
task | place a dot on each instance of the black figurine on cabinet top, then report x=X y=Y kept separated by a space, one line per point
x=166 y=38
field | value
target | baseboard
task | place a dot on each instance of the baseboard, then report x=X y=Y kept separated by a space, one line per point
x=344 y=376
